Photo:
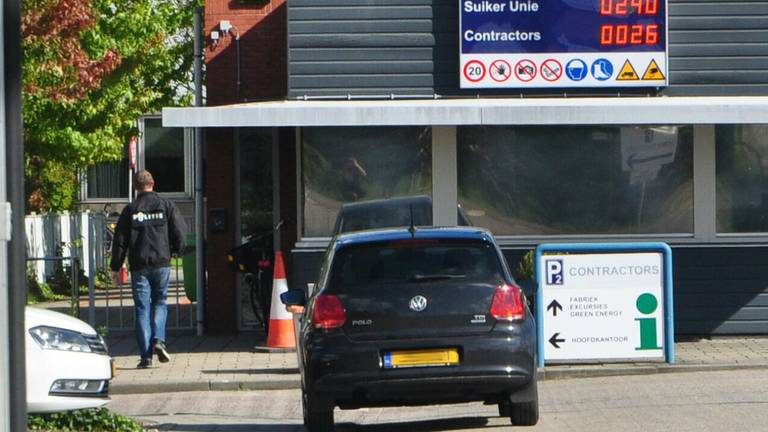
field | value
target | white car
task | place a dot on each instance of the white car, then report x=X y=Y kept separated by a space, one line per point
x=68 y=366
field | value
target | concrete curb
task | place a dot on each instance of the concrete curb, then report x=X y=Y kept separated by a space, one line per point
x=551 y=373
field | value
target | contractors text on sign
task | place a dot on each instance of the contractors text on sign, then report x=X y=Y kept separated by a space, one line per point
x=575 y=32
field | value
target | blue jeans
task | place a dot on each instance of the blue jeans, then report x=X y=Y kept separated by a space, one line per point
x=150 y=293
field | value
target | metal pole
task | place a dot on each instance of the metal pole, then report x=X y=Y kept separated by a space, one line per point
x=5 y=391
x=14 y=166
x=91 y=251
x=199 y=227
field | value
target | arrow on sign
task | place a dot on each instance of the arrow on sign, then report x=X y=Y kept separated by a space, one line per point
x=554 y=306
x=554 y=340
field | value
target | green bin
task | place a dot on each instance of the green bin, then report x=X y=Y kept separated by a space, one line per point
x=188 y=265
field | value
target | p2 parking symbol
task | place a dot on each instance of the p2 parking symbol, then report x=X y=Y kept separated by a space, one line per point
x=554 y=272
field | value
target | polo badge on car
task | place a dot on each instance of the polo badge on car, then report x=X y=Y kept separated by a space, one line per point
x=418 y=303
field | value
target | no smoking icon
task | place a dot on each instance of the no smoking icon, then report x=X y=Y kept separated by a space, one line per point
x=500 y=71
x=525 y=70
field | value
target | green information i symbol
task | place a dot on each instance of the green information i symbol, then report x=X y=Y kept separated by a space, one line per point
x=647 y=304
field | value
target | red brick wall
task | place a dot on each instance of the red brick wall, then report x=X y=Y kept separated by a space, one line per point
x=263 y=72
x=263 y=47
x=220 y=298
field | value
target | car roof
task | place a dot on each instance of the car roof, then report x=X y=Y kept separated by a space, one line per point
x=387 y=202
x=400 y=233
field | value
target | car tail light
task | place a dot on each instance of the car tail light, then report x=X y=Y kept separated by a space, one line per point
x=328 y=312
x=507 y=304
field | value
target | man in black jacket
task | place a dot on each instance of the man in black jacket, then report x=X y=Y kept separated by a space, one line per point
x=149 y=231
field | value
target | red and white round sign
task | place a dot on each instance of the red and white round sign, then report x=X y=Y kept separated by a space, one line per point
x=500 y=71
x=551 y=70
x=474 y=71
x=525 y=70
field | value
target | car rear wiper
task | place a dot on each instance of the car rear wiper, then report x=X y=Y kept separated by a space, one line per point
x=434 y=277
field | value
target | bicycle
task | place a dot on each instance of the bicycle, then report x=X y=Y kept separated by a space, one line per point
x=259 y=292
x=254 y=259
x=110 y=224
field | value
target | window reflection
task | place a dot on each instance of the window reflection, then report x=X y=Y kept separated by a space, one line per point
x=577 y=180
x=164 y=155
x=108 y=180
x=341 y=165
x=256 y=184
x=741 y=159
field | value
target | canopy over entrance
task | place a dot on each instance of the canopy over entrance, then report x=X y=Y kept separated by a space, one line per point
x=530 y=111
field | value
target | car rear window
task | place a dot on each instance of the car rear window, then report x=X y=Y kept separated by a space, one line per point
x=414 y=261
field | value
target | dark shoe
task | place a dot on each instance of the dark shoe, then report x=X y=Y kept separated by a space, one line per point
x=162 y=353
x=144 y=363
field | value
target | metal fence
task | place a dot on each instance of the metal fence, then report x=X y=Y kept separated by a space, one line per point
x=77 y=245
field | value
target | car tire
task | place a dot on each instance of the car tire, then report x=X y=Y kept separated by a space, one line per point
x=525 y=413
x=505 y=408
x=318 y=416
x=524 y=405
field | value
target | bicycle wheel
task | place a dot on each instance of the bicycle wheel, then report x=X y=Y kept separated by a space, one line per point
x=253 y=293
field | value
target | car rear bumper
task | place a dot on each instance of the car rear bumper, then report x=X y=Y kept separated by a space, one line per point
x=391 y=391
x=351 y=375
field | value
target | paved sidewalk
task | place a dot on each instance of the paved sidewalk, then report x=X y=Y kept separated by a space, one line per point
x=232 y=363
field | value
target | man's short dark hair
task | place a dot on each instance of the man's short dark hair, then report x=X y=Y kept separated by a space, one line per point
x=144 y=180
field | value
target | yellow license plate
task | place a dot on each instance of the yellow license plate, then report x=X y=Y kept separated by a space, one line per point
x=421 y=358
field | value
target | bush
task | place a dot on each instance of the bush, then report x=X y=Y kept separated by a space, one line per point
x=38 y=291
x=87 y=420
x=525 y=268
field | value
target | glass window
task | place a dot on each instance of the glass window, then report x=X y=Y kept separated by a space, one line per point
x=256 y=185
x=341 y=165
x=404 y=261
x=164 y=155
x=741 y=167
x=577 y=180
x=108 y=180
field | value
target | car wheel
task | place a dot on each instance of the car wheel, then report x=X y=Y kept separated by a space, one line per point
x=524 y=405
x=318 y=416
x=505 y=408
x=525 y=413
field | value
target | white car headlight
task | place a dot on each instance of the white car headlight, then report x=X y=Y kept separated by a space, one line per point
x=59 y=339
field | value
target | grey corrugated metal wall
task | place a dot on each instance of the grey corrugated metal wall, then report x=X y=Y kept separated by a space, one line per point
x=410 y=47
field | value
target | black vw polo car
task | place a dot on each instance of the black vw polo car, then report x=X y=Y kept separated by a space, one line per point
x=415 y=317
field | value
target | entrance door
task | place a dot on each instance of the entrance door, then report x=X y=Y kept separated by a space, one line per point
x=255 y=226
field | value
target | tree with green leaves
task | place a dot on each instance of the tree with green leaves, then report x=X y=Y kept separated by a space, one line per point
x=91 y=69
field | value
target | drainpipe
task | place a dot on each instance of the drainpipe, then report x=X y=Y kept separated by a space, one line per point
x=238 y=85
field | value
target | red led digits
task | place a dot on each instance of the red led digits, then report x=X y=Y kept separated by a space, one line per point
x=652 y=34
x=626 y=34
x=629 y=34
x=626 y=7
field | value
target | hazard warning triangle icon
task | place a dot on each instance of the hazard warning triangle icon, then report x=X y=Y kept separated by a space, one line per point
x=627 y=73
x=653 y=72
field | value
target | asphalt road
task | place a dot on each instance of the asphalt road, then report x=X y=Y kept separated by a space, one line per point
x=705 y=401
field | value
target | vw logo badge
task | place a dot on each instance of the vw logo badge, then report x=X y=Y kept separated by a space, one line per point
x=418 y=303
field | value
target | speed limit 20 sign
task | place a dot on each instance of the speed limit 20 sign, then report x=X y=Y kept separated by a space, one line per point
x=474 y=71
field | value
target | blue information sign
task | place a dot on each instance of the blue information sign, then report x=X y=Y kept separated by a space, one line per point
x=631 y=35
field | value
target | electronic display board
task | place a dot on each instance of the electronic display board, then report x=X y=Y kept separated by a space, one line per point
x=563 y=43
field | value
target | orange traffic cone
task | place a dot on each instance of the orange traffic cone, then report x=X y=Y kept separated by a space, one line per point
x=281 y=330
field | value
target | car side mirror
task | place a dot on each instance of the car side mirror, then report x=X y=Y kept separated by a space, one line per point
x=294 y=300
